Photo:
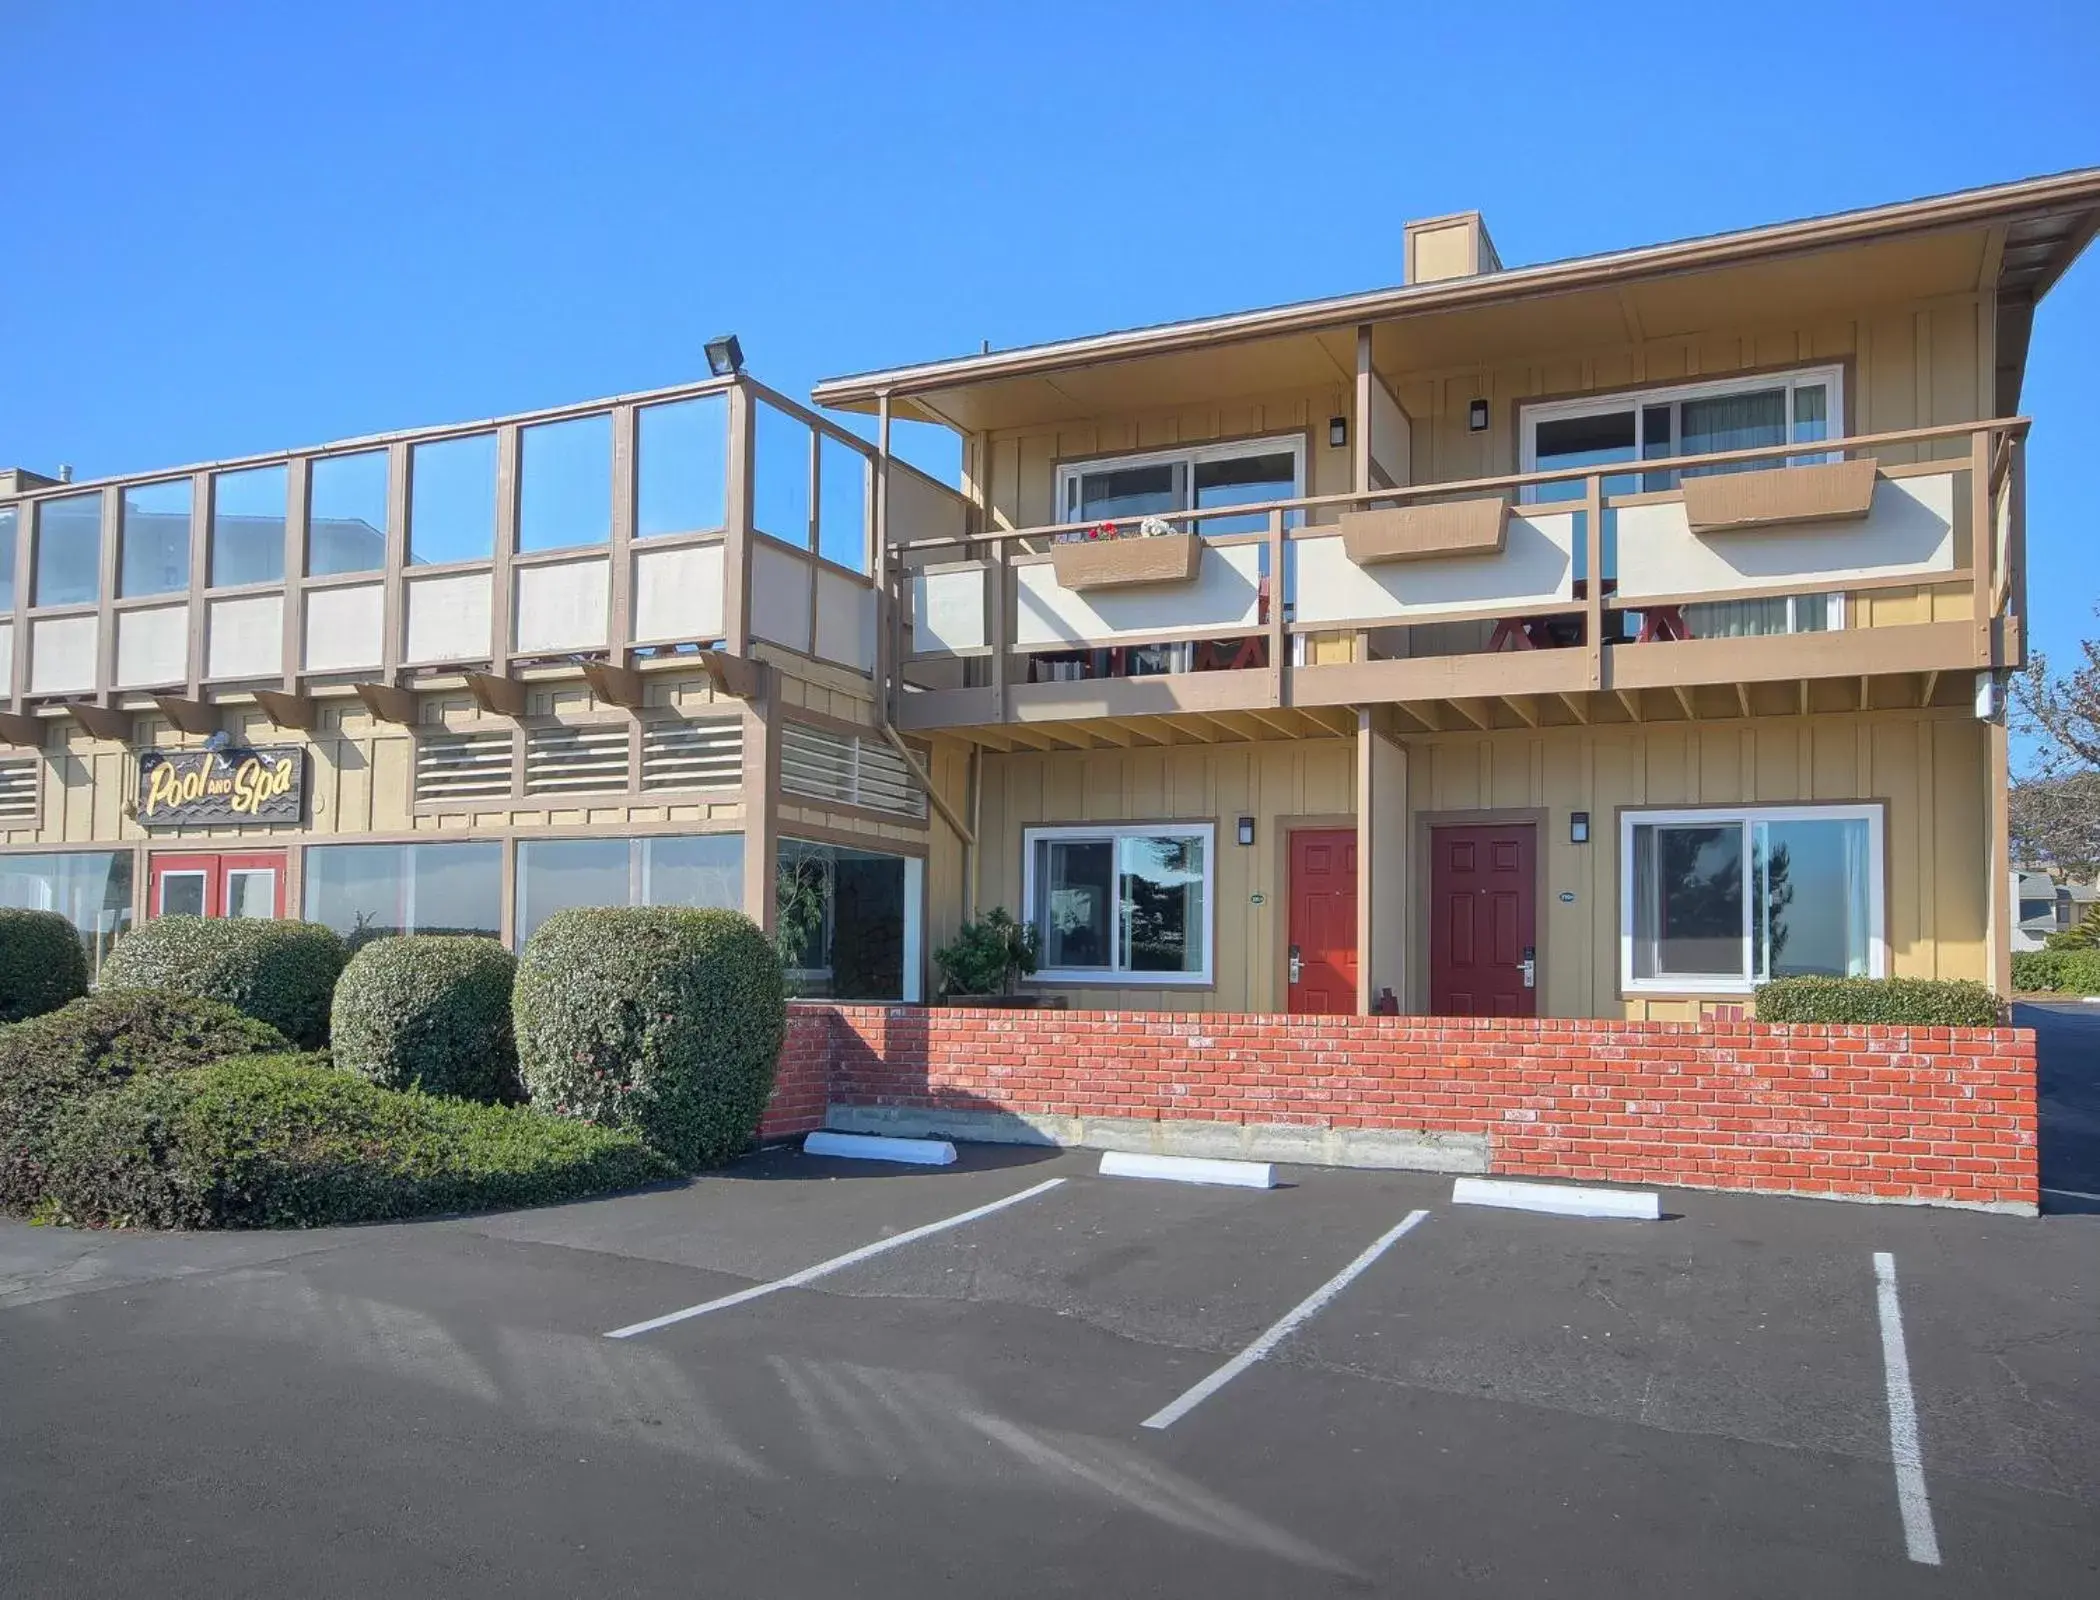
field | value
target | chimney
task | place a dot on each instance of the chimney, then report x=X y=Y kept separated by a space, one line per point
x=1456 y=246
x=20 y=480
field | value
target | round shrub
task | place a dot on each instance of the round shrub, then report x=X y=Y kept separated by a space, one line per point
x=42 y=964
x=282 y=973
x=286 y=1142
x=663 y=1021
x=95 y=1045
x=417 y=1011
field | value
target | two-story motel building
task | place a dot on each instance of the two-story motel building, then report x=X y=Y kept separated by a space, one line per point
x=1588 y=639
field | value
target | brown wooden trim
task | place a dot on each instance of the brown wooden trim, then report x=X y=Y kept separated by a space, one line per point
x=620 y=686
x=388 y=703
x=188 y=713
x=101 y=721
x=289 y=710
x=22 y=731
x=501 y=696
x=106 y=592
x=846 y=838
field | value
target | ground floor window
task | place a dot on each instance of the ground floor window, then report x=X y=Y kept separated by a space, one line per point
x=1723 y=900
x=90 y=888
x=849 y=922
x=366 y=891
x=699 y=869
x=1131 y=902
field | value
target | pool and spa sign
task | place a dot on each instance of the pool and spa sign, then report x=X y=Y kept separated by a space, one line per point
x=179 y=788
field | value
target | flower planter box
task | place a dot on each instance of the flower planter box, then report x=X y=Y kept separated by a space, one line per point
x=1426 y=533
x=1743 y=502
x=1124 y=563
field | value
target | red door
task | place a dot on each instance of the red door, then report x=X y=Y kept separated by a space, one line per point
x=1483 y=921
x=1323 y=921
x=250 y=884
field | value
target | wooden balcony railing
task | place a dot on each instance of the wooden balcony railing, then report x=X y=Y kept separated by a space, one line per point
x=1457 y=587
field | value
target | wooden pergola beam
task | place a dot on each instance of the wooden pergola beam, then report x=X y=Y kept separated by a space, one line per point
x=388 y=703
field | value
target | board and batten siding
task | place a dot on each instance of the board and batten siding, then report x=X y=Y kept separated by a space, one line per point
x=1914 y=365
x=1270 y=782
x=1928 y=767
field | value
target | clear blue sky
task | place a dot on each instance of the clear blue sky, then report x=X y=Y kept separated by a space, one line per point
x=235 y=228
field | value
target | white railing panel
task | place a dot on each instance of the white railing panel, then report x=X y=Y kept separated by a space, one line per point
x=62 y=655
x=245 y=637
x=153 y=646
x=563 y=606
x=948 y=611
x=678 y=593
x=780 y=594
x=1225 y=593
x=845 y=620
x=1909 y=529
x=448 y=618
x=1536 y=568
x=345 y=628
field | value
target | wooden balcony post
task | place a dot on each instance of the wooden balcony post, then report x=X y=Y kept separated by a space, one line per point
x=619 y=635
x=736 y=568
x=888 y=651
x=1360 y=439
x=1279 y=639
x=1983 y=545
x=1593 y=593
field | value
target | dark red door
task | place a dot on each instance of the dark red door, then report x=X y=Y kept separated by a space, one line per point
x=1323 y=921
x=1483 y=921
x=250 y=884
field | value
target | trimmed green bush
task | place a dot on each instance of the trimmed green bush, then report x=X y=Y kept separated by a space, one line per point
x=1912 y=1002
x=96 y=1045
x=279 y=1142
x=2057 y=971
x=663 y=1021
x=42 y=964
x=418 y=1011
x=282 y=973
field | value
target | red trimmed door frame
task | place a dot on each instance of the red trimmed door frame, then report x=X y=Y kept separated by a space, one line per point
x=200 y=881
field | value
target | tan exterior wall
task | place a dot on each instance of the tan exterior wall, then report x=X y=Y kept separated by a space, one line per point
x=1914 y=365
x=1929 y=768
x=1313 y=779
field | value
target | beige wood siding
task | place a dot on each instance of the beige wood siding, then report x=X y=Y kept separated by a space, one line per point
x=1928 y=767
x=1204 y=783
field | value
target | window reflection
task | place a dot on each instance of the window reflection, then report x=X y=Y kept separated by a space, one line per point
x=452 y=501
x=247 y=526
x=10 y=522
x=69 y=551
x=154 y=546
x=346 y=523
x=681 y=453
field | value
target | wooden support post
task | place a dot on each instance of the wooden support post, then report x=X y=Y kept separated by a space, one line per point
x=736 y=551
x=1593 y=592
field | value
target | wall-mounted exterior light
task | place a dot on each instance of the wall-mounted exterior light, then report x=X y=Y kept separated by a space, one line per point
x=725 y=355
x=1477 y=417
x=1246 y=830
x=1338 y=431
x=1579 y=827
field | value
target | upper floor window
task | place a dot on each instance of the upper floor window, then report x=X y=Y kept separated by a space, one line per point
x=68 y=551
x=1692 y=419
x=154 y=552
x=1192 y=478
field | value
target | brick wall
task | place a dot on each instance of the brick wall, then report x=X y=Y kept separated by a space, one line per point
x=802 y=1087
x=1929 y=1114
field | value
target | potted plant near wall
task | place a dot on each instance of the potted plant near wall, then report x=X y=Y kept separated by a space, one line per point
x=986 y=961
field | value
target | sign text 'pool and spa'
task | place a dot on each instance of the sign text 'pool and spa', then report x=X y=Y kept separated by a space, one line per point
x=178 y=787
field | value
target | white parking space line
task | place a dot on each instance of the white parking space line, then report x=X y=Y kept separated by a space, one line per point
x=824 y=1268
x=1919 y=1539
x=1168 y=1415
x=2071 y=1194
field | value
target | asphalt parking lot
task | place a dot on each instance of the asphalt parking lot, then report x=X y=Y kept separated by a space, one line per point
x=1497 y=1403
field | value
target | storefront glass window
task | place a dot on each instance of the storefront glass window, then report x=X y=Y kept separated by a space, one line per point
x=90 y=888
x=365 y=891
x=705 y=869
x=850 y=921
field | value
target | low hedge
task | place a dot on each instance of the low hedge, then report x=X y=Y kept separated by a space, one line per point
x=663 y=1021
x=280 y=1142
x=282 y=973
x=42 y=964
x=1912 y=1002
x=95 y=1045
x=2057 y=971
x=418 y=1011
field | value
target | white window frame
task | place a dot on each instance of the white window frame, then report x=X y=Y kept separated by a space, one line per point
x=1744 y=817
x=1636 y=400
x=1190 y=456
x=1114 y=833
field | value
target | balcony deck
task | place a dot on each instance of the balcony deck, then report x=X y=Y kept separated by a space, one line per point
x=1504 y=631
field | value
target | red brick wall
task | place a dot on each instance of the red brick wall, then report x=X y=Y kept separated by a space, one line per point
x=1910 y=1113
x=802 y=1087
